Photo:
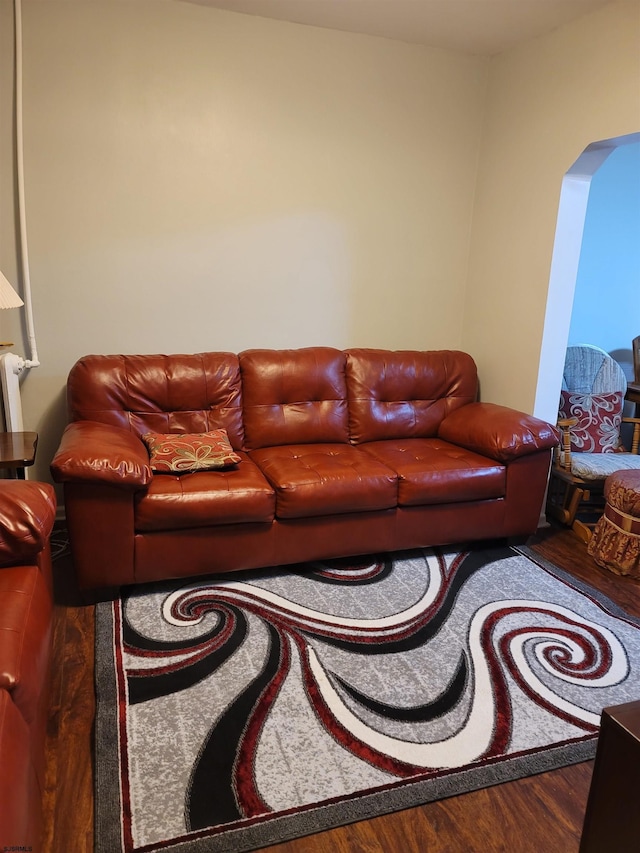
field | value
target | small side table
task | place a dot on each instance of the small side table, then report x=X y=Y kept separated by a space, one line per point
x=18 y=451
x=611 y=821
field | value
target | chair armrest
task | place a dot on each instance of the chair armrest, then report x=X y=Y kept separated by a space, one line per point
x=563 y=452
x=498 y=432
x=92 y=452
x=27 y=513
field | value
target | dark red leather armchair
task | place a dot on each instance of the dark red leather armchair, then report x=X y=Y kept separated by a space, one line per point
x=27 y=513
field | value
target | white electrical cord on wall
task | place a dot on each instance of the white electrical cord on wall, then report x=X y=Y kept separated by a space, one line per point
x=12 y=365
x=24 y=252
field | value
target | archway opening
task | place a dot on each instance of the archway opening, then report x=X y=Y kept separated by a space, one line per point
x=572 y=210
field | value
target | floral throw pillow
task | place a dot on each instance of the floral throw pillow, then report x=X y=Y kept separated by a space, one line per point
x=599 y=419
x=180 y=453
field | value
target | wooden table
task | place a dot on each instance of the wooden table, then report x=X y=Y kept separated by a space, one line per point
x=18 y=451
x=612 y=820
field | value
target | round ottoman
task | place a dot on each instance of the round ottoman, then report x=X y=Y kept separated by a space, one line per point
x=615 y=543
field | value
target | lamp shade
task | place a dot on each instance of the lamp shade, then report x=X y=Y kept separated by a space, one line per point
x=8 y=297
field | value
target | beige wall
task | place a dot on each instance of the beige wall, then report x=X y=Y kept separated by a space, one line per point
x=198 y=179
x=547 y=100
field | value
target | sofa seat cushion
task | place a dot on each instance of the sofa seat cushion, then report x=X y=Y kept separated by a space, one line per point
x=326 y=479
x=230 y=496
x=25 y=636
x=432 y=471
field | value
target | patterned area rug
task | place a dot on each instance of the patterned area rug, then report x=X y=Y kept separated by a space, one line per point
x=239 y=712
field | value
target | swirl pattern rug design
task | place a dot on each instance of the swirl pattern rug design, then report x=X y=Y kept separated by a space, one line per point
x=237 y=712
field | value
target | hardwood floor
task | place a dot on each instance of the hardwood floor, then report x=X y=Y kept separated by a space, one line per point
x=540 y=814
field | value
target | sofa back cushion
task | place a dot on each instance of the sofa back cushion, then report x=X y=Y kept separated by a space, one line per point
x=405 y=394
x=159 y=393
x=294 y=396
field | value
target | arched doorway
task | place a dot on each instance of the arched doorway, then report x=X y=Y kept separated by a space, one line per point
x=572 y=210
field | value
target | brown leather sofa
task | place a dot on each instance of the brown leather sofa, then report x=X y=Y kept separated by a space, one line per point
x=27 y=513
x=342 y=453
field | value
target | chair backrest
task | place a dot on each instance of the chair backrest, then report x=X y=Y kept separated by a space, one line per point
x=593 y=389
x=590 y=370
x=636 y=359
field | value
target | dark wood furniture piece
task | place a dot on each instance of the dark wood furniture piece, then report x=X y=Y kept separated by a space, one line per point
x=633 y=395
x=633 y=388
x=18 y=451
x=612 y=819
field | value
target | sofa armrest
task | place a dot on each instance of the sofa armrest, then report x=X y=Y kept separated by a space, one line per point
x=498 y=432
x=27 y=513
x=92 y=452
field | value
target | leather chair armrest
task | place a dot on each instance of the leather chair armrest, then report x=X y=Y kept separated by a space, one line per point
x=92 y=452
x=20 y=801
x=27 y=513
x=498 y=432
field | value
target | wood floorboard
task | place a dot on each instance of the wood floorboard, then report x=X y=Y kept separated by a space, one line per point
x=539 y=814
